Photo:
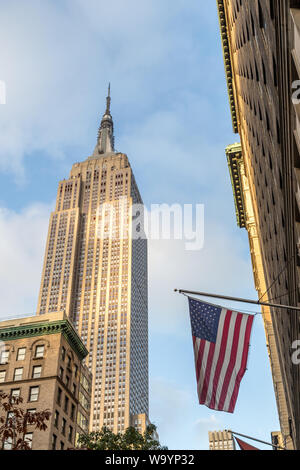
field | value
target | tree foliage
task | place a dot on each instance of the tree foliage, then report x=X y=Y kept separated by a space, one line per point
x=131 y=439
x=14 y=422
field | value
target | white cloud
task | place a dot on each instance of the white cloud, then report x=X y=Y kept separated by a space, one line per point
x=59 y=56
x=202 y=427
x=220 y=267
x=23 y=238
x=168 y=406
x=40 y=62
x=173 y=411
x=210 y=420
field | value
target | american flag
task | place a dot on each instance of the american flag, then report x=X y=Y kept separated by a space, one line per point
x=221 y=343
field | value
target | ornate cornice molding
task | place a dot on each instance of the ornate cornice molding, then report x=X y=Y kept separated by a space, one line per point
x=227 y=63
x=235 y=160
x=63 y=327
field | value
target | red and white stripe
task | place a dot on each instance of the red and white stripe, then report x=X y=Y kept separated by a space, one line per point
x=220 y=366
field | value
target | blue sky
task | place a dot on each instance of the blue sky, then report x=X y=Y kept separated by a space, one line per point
x=171 y=114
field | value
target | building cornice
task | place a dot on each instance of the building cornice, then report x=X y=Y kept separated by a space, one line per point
x=235 y=160
x=227 y=63
x=63 y=327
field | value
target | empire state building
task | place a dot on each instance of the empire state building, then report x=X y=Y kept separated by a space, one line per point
x=96 y=271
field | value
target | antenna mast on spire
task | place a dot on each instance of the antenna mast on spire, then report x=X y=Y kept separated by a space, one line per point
x=108 y=100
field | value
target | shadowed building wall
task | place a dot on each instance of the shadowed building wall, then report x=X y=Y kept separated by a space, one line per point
x=246 y=219
x=261 y=52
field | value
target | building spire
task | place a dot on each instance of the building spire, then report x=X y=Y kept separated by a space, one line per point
x=105 y=141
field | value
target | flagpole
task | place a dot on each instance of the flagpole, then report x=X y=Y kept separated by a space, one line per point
x=253 y=439
x=236 y=299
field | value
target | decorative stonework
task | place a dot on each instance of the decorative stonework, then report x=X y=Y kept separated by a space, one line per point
x=41 y=329
x=227 y=62
x=235 y=159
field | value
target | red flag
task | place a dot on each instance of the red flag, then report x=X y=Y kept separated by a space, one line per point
x=244 y=446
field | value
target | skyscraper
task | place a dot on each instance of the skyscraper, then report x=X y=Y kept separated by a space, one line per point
x=96 y=270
